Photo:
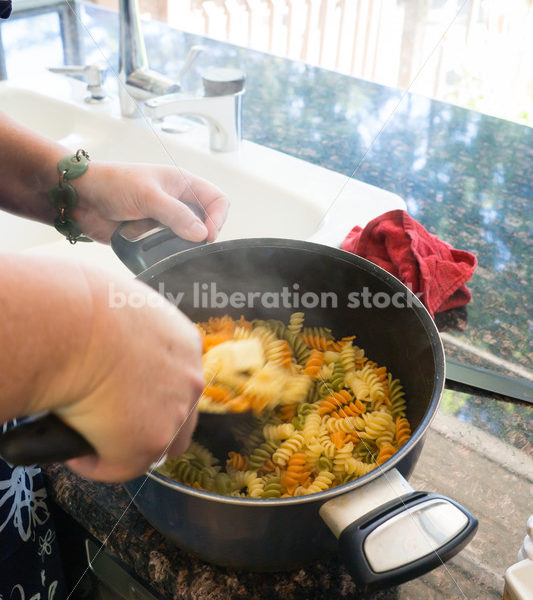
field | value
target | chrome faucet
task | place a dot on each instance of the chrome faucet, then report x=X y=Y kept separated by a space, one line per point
x=223 y=88
x=220 y=107
x=136 y=80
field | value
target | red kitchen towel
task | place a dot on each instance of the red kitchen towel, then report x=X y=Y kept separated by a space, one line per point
x=428 y=266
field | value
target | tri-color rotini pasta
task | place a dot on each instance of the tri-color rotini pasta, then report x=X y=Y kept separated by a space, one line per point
x=326 y=414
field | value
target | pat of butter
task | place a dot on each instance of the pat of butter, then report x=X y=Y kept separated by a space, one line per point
x=237 y=355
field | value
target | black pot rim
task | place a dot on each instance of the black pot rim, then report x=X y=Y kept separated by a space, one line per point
x=338 y=254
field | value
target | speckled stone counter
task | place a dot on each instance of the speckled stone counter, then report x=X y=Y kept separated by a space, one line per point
x=467 y=178
x=487 y=469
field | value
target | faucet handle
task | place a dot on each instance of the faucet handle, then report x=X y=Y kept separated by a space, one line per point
x=191 y=57
x=95 y=76
x=223 y=82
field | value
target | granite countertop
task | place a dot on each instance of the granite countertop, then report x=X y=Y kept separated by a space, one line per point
x=467 y=178
x=488 y=469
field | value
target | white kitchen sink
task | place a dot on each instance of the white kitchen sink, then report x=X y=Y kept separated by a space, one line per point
x=272 y=194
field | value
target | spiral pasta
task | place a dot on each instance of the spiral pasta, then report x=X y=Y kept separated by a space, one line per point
x=325 y=413
x=316 y=338
x=273 y=487
x=322 y=482
x=314 y=363
x=275 y=433
x=279 y=353
x=297 y=472
x=347 y=356
x=237 y=461
x=352 y=409
x=314 y=452
x=385 y=452
x=287 y=449
x=262 y=454
x=402 y=431
x=296 y=322
x=334 y=402
x=396 y=396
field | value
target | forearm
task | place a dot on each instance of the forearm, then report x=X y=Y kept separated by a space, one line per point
x=47 y=313
x=28 y=169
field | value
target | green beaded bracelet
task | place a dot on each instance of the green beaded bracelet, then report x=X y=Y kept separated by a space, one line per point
x=63 y=197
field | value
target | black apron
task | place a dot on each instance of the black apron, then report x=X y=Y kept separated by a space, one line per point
x=30 y=564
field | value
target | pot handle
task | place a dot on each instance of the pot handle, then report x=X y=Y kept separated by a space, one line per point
x=143 y=243
x=388 y=533
x=42 y=440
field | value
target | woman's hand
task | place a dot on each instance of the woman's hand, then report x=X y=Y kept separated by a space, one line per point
x=137 y=385
x=109 y=193
x=113 y=192
x=107 y=354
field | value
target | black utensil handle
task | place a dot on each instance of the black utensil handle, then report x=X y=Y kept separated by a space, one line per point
x=143 y=243
x=43 y=441
x=222 y=432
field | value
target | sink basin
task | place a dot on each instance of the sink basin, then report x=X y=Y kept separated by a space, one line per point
x=272 y=194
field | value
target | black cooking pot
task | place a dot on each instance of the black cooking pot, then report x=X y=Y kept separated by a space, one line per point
x=386 y=532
